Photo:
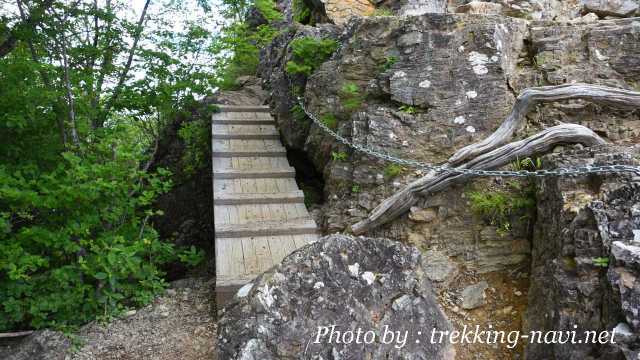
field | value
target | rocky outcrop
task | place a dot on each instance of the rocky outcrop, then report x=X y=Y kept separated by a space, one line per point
x=40 y=345
x=617 y=8
x=584 y=225
x=340 y=11
x=352 y=283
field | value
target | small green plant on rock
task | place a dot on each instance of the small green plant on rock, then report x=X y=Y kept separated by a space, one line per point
x=309 y=53
x=339 y=155
x=601 y=262
x=498 y=208
x=392 y=170
x=527 y=164
x=330 y=120
x=298 y=113
x=408 y=109
x=350 y=96
x=388 y=63
x=382 y=11
x=355 y=188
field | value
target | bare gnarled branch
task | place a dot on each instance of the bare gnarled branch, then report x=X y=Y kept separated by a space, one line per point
x=491 y=153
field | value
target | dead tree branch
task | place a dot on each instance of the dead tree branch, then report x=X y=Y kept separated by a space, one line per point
x=604 y=95
x=488 y=154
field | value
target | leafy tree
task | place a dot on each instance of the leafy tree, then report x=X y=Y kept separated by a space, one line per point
x=86 y=89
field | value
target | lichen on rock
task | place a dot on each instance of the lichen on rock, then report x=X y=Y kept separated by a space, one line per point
x=350 y=282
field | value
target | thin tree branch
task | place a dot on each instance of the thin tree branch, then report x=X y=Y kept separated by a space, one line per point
x=26 y=23
x=127 y=67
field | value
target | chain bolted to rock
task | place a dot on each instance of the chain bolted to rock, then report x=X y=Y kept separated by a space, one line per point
x=479 y=159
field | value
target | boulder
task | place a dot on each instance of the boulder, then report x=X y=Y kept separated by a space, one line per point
x=422 y=215
x=360 y=285
x=473 y=295
x=617 y=8
x=41 y=345
x=340 y=11
x=421 y=7
x=480 y=7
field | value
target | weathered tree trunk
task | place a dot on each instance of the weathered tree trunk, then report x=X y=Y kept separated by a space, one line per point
x=485 y=155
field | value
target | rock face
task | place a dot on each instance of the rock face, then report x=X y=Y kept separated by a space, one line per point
x=41 y=345
x=353 y=283
x=582 y=220
x=429 y=85
x=340 y=11
x=424 y=86
x=620 y=8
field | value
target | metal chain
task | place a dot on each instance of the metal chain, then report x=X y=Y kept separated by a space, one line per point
x=571 y=171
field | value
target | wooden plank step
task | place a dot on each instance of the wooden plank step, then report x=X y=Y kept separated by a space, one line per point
x=244 y=108
x=241 y=118
x=250 y=163
x=248 y=136
x=250 y=153
x=223 y=145
x=266 y=228
x=254 y=185
x=254 y=174
x=265 y=121
x=245 y=132
x=258 y=198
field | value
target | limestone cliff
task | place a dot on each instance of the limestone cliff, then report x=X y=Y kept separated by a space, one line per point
x=429 y=77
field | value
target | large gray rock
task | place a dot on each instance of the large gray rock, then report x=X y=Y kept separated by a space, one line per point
x=41 y=345
x=473 y=296
x=353 y=283
x=612 y=7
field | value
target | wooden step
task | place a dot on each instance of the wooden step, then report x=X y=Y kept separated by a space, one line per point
x=240 y=118
x=248 y=136
x=259 y=198
x=266 y=228
x=250 y=163
x=244 y=108
x=254 y=186
x=267 y=121
x=254 y=174
x=250 y=153
x=224 y=145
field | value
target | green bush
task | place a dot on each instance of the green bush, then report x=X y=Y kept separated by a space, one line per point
x=309 y=53
x=244 y=44
x=301 y=12
x=269 y=10
x=195 y=135
x=75 y=240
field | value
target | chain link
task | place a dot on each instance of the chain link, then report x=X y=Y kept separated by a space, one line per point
x=571 y=171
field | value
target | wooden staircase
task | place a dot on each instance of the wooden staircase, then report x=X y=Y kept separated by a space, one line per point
x=259 y=211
